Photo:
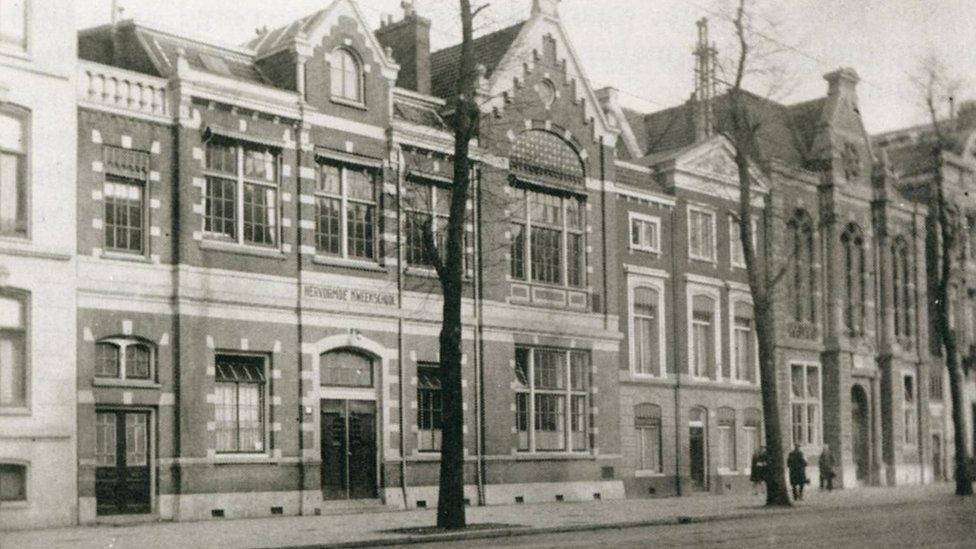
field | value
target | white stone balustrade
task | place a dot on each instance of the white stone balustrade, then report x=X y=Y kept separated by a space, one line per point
x=122 y=89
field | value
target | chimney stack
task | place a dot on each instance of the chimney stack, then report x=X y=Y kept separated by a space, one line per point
x=409 y=39
x=842 y=81
x=545 y=7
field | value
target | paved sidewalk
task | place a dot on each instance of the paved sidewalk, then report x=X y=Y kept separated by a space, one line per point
x=373 y=528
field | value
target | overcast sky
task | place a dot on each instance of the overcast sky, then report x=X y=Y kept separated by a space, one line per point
x=643 y=47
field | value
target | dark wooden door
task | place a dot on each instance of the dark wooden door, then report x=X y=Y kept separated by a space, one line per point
x=696 y=450
x=861 y=434
x=122 y=474
x=348 y=434
x=937 y=457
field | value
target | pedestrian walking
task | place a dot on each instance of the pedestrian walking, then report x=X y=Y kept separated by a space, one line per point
x=797 y=464
x=826 y=463
x=757 y=471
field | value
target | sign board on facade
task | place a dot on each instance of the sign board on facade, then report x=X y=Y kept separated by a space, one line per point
x=351 y=295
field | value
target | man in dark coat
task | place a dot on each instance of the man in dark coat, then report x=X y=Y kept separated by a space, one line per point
x=797 y=464
x=757 y=471
x=826 y=464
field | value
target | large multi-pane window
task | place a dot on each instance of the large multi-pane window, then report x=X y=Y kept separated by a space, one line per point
x=855 y=280
x=902 y=288
x=647 y=424
x=346 y=211
x=123 y=359
x=429 y=407
x=345 y=76
x=805 y=403
x=547 y=238
x=241 y=199
x=428 y=207
x=704 y=311
x=550 y=400
x=646 y=328
x=911 y=422
x=13 y=350
x=239 y=387
x=124 y=215
x=726 y=439
x=743 y=342
x=701 y=234
x=803 y=279
x=13 y=170
x=13 y=24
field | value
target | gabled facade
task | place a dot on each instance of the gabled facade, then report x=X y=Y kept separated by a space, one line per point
x=258 y=325
x=37 y=272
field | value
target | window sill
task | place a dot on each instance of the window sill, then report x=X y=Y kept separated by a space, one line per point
x=421 y=272
x=127 y=383
x=703 y=260
x=553 y=455
x=231 y=247
x=349 y=103
x=647 y=474
x=15 y=411
x=233 y=459
x=123 y=256
x=7 y=505
x=360 y=264
x=654 y=251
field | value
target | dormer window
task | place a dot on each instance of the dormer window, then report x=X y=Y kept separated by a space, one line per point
x=346 y=76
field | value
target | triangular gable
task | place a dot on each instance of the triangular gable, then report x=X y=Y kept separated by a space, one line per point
x=713 y=163
x=311 y=30
x=520 y=54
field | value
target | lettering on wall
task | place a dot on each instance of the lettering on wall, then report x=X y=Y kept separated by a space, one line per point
x=351 y=295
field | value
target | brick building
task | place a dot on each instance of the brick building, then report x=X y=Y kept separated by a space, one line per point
x=257 y=324
x=909 y=155
x=257 y=328
x=37 y=282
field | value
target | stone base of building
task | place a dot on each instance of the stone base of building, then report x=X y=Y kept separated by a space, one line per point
x=50 y=469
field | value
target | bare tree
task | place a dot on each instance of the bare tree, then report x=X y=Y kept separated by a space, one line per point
x=449 y=265
x=742 y=132
x=935 y=86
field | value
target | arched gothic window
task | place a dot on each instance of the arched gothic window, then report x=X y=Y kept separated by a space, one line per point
x=124 y=358
x=543 y=154
x=346 y=76
x=855 y=279
x=901 y=287
x=804 y=277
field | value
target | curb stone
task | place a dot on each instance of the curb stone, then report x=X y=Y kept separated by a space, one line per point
x=512 y=532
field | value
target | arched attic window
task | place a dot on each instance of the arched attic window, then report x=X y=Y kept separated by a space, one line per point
x=543 y=154
x=346 y=76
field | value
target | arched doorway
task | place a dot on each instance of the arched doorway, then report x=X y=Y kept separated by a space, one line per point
x=861 y=433
x=348 y=426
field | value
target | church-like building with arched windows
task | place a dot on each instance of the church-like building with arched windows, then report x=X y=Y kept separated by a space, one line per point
x=258 y=317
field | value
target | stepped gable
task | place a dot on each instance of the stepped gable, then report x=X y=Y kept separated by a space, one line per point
x=489 y=49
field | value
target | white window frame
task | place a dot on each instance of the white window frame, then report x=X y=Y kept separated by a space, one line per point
x=692 y=253
x=8 y=48
x=344 y=201
x=806 y=401
x=722 y=450
x=657 y=283
x=334 y=57
x=651 y=247
x=239 y=181
x=265 y=394
x=565 y=231
x=122 y=343
x=738 y=296
x=693 y=289
x=740 y=261
x=567 y=393
x=24 y=298
x=639 y=434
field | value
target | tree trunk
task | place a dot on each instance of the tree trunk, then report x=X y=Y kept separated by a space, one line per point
x=776 y=492
x=450 y=272
x=963 y=474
